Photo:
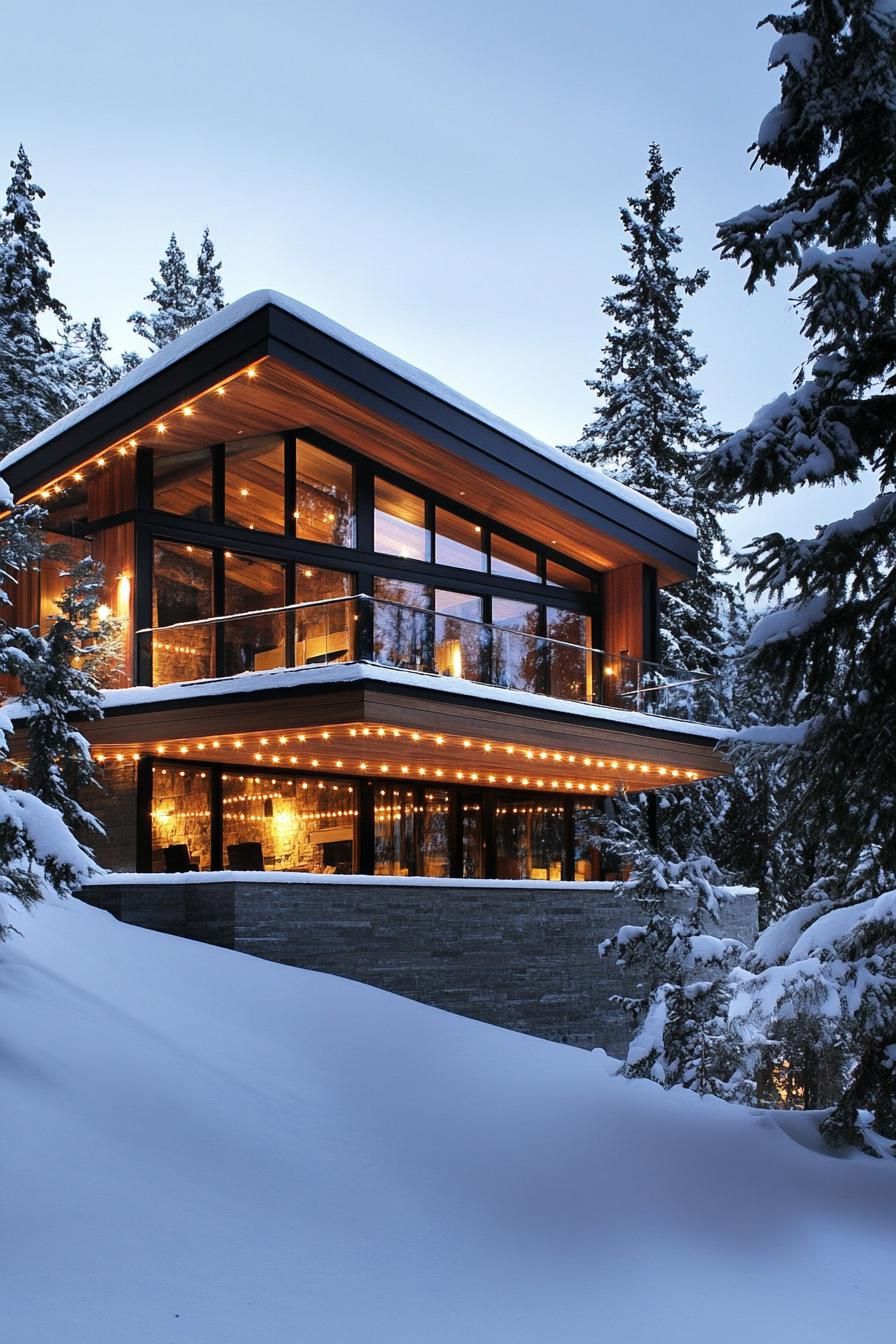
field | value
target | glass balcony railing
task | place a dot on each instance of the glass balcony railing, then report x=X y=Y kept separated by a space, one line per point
x=376 y=630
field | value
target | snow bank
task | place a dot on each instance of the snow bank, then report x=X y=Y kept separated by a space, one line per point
x=242 y=308
x=208 y=1148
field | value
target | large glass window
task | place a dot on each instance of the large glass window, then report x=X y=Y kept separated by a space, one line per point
x=589 y=823
x=288 y=823
x=403 y=624
x=257 y=642
x=182 y=591
x=324 y=496
x=512 y=561
x=471 y=836
x=325 y=633
x=461 y=642
x=518 y=655
x=394 y=816
x=569 y=659
x=253 y=483
x=181 y=819
x=559 y=576
x=182 y=481
x=529 y=838
x=399 y=524
x=458 y=542
x=434 y=857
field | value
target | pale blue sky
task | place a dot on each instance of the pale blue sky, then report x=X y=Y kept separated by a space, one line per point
x=444 y=179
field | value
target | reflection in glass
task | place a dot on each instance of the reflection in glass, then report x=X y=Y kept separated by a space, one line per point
x=518 y=655
x=512 y=561
x=399 y=525
x=181 y=819
x=288 y=823
x=589 y=821
x=561 y=577
x=253 y=483
x=324 y=496
x=472 y=849
x=256 y=642
x=458 y=542
x=182 y=481
x=461 y=642
x=569 y=660
x=402 y=637
x=181 y=591
x=433 y=859
x=324 y=634
x=528 y=838
x=394 y=816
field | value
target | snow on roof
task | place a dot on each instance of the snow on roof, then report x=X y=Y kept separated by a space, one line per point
x=251 y=303
x=249 y=683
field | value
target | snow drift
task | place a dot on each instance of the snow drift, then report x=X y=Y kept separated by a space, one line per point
x=203 y=1147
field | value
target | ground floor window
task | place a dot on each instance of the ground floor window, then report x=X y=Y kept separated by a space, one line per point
x=209 y=817
x=181 y=819
x=284 y=823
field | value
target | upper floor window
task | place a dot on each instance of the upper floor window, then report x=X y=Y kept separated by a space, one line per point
x=459 y=542
x=253 y=483
x=182 y=481
x=325 y=509
x=399 y=525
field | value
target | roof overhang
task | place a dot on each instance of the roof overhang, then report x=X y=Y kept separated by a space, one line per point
x=319 y=365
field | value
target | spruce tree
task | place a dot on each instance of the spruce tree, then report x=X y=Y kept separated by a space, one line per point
x=38 y=853
x=209 y=288
x=830 y=641
x=683 y=1036
x=650 y=430
x=180 y=298
x=32 y=390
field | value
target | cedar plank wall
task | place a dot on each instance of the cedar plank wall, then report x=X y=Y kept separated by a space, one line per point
x=624 y=615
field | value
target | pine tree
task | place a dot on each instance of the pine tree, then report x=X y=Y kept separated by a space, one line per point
x=60 y=674
x=180 y=298
x=82 y=360
x=831 y=640
x=32 y=392
x=209 y=288
x=650 y=430
x=683 y=1036
x=38 y=853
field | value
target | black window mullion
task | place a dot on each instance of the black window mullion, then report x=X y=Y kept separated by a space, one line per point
x=218 y=492
x=290 y=466
x=218 y=605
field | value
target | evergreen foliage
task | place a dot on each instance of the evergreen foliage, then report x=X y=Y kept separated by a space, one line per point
x=684 y=1037
x=830 y=640
x=38 y=853
x=650 y=429
x=181 y=299
x=32 y=393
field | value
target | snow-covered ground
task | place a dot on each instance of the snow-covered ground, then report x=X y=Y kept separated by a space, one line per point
x=207 y=1148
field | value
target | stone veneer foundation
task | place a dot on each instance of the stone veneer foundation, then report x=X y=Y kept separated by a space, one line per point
x=518 y=954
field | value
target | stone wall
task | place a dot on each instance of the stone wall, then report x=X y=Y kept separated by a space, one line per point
x=520 y=956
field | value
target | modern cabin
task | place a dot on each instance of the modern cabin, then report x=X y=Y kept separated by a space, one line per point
x=367 y=627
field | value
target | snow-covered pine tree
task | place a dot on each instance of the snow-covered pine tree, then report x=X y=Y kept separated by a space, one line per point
x=650 y=429
x=683 y=1037
x=650 y=432
x=83 y=363
x=32 y=392
x=38 y=853
x=180 y=298
x=209 y=288
x=60 y=675
x=831 y=640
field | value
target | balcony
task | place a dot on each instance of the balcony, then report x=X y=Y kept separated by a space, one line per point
x=374 y=630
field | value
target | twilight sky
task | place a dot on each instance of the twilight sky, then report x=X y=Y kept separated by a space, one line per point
x=444 y=179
